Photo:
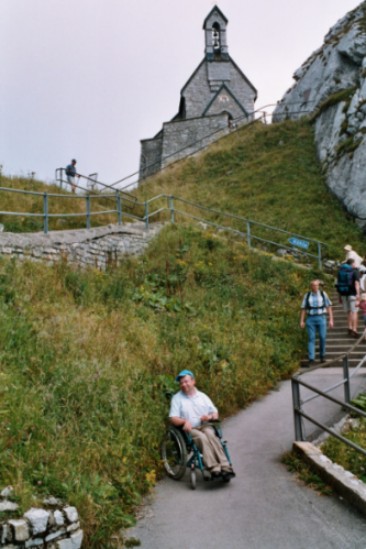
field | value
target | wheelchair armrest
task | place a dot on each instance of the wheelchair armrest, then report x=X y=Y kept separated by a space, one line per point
x=216 y=424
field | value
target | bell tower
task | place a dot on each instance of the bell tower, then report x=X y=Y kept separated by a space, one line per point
x=215 y=36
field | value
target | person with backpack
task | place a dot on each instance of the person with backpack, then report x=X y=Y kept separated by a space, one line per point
x=315 y=307
x=70 y=172
x=348 y=287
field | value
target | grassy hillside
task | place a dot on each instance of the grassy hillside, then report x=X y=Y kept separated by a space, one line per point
x=269 y=174
x=87 y=357
x=65 y=203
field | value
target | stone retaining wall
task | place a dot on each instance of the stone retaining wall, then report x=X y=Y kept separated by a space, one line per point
x=54 y=527
x=97 y=247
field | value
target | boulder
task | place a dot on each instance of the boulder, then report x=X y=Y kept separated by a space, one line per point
x=330 y=87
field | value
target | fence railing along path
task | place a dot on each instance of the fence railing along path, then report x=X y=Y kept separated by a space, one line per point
x=173 y=209
x=346 y=357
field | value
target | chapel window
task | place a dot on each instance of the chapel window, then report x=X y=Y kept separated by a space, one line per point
x=216 y=36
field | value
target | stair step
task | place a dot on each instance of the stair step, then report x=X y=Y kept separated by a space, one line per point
x=339 y=342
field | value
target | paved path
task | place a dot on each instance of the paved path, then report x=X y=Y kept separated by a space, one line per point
x=264 y=507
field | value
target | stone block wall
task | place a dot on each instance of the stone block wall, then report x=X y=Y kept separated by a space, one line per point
x=185 y=137
x=56 y=526
x=150 y=158
x=97 y=247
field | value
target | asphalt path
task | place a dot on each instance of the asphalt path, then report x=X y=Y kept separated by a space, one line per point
x=265 y=506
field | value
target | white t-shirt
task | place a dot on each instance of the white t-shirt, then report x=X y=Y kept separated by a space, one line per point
x=191 y=407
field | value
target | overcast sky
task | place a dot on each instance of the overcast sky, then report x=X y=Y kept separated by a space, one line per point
x=90 y=78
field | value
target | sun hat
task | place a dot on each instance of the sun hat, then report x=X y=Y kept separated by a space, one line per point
x=348 y=248
x=184 y=373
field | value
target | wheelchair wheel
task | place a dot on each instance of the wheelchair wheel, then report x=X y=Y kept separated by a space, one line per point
x=193 y=478
x=174 y=453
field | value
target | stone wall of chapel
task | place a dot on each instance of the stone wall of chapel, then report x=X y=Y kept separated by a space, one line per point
x=150 y=158
x=185 y=137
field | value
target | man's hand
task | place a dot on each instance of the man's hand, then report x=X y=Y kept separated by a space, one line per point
x=302 y=324
x=187 y=426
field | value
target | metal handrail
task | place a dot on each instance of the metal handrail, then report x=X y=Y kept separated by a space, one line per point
x=60 y=179
x=249 y=224
x=299 y=414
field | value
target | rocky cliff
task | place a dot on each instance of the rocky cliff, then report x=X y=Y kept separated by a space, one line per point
x=330 y=87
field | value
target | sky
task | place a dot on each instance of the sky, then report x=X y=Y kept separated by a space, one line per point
x=88 y=79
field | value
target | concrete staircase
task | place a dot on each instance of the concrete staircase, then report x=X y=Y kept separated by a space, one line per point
x=338 y=340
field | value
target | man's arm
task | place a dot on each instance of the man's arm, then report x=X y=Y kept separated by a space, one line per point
x=302 y=318
x=181 y=422
x=330 y=314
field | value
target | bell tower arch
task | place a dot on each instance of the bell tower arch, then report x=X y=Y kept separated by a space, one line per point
x=215 y=35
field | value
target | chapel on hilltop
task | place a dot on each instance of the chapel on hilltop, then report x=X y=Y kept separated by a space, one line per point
x=216 y=96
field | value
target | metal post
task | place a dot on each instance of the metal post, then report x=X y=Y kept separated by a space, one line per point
x=146 y=215
x=296 y=403
x=248 y=235
x=347 y=387
x=87 y=198
x=320 y=256
x=171 y=207
x=45 y=213
x=119 y=207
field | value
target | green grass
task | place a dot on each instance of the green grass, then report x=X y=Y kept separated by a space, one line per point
x=269 y=174
x=344 y=455
x=87 y=357
x=67 y=203
x=305 y=473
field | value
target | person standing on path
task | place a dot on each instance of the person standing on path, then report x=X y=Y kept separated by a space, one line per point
x=314 y=309
x=71 y=174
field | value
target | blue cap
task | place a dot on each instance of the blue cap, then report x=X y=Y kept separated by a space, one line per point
x=184 y=373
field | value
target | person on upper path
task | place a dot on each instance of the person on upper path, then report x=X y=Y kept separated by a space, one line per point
x=192 y=410
x=352 y=254
x=350 y=296
x=71 y=174
x=315 y=307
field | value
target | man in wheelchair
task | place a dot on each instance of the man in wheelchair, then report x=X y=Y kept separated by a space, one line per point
x=192 y=411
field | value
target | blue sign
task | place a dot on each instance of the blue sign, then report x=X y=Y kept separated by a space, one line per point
x=299 y=243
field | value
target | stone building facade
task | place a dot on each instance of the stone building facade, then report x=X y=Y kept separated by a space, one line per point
x=216 y=96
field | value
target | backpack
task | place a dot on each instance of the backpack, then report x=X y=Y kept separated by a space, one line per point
x=68 y=170
x=344 y=282
x=307 y=303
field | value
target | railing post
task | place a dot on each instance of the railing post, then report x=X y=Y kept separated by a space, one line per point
x=249 y=241
x=347 y=388
x=320 y=256
x=119 y=207
x=171 y=207
x=296 y=403
x=45 y=213
x=146 y=215
x=87 y=198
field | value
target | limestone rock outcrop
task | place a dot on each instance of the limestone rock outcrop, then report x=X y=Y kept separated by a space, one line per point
x=330 y=87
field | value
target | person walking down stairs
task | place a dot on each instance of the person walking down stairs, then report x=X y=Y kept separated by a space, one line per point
x=348 y=287
x=315 y=307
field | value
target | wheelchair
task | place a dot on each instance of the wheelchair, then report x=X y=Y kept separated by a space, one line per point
x=179 y=452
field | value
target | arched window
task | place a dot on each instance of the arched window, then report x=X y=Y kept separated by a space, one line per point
x=216 y=37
